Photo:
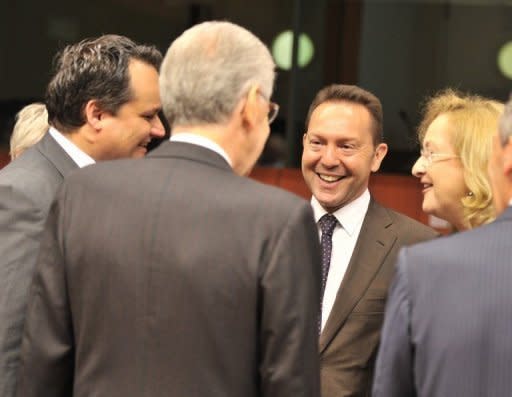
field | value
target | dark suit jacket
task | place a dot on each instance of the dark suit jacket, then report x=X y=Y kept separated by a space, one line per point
x=448 y=324
x=172 y=276
x=27 y=188
x=350 y=338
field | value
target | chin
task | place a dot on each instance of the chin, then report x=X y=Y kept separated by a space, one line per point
x=428 y=209
x=329 y=205
x=138 y=154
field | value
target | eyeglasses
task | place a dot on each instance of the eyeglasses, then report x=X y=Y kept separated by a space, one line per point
x=273 y=109
x=431 y=157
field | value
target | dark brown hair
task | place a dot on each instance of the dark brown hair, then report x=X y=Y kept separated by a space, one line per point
x=93 y=69
x=355 y=94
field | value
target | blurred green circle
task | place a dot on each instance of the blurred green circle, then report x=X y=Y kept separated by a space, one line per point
x=505 y=60
x=282 y=50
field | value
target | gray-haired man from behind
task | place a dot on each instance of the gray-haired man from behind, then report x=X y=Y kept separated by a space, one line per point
x=197 y=281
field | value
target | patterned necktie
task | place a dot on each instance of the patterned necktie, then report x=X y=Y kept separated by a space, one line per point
x=327 y=224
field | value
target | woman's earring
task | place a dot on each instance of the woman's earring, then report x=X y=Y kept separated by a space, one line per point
x=470 y=194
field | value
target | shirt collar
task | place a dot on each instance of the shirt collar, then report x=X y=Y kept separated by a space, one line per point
x=201 y=141
x=77 y=155
x=350 y=216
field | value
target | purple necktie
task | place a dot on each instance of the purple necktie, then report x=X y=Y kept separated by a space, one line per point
x=327 y=224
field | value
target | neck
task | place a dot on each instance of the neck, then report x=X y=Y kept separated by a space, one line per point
x=461 y=226
x=78 y=138
x=223 y=135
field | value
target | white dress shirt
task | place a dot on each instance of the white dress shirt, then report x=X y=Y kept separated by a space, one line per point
x=201 y=141
x=77 y=155
x=350 y=219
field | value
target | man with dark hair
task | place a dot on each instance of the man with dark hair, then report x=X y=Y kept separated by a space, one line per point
x=360 y=238
x=449 y=317
x=199 y=282
x=103 y=102
x=104 y=97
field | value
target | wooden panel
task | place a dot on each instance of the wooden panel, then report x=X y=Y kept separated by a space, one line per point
x=4 y=158
x=269 y=175
x=399 y=192
x=291 y=180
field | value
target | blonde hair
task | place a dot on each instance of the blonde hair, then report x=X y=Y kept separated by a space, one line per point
x=31 y=125
x=474 y=120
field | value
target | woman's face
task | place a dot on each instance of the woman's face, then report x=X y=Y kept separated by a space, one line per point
x=441 y=173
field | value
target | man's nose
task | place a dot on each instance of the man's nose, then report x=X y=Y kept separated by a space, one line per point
x=330 y=157
x=157 y=128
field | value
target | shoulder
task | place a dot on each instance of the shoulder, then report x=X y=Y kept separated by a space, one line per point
x=272 y=193
x=457 y=259
x=270 y=201
x=410 y=230
x=149 y=174
x=456 y=244
x=31 y=175
x=437 y=256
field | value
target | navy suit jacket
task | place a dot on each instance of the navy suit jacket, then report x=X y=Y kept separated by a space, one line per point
x=448 y=323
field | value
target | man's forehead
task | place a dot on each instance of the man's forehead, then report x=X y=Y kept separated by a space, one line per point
x=340 y=112
x=342 y=120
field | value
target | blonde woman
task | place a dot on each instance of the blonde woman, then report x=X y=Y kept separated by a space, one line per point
x=31 y=125
x=456 y=137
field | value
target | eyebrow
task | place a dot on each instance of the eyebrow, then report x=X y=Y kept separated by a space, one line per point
x=152 y=110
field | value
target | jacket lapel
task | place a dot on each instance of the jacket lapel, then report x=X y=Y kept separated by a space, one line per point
x=50 y=149
x=374 y=242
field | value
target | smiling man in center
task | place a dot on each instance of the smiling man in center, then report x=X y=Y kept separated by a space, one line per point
x=343 y=145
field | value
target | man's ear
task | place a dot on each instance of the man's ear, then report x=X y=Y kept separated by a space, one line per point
x=251 y=110
x=380 y=152
x=94 y=114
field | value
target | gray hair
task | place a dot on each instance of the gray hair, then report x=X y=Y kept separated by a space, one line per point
x=208 y=69
x=505 y=126
x=31 y=125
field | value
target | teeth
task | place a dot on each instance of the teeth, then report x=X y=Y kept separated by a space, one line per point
x=329 y=178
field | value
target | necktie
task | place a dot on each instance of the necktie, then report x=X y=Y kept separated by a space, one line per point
x=327 y=224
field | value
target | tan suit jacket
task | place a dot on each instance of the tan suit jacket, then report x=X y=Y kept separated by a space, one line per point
x=350 y=338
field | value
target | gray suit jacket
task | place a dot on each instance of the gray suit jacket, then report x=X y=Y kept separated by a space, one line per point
x=448 y=325
x=350 y=338
x=27 y=188
x=172 y=276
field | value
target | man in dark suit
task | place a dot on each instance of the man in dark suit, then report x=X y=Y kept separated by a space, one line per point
x=342 y=147
x=449 y=318
x=175 y=276
x=102 y=102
